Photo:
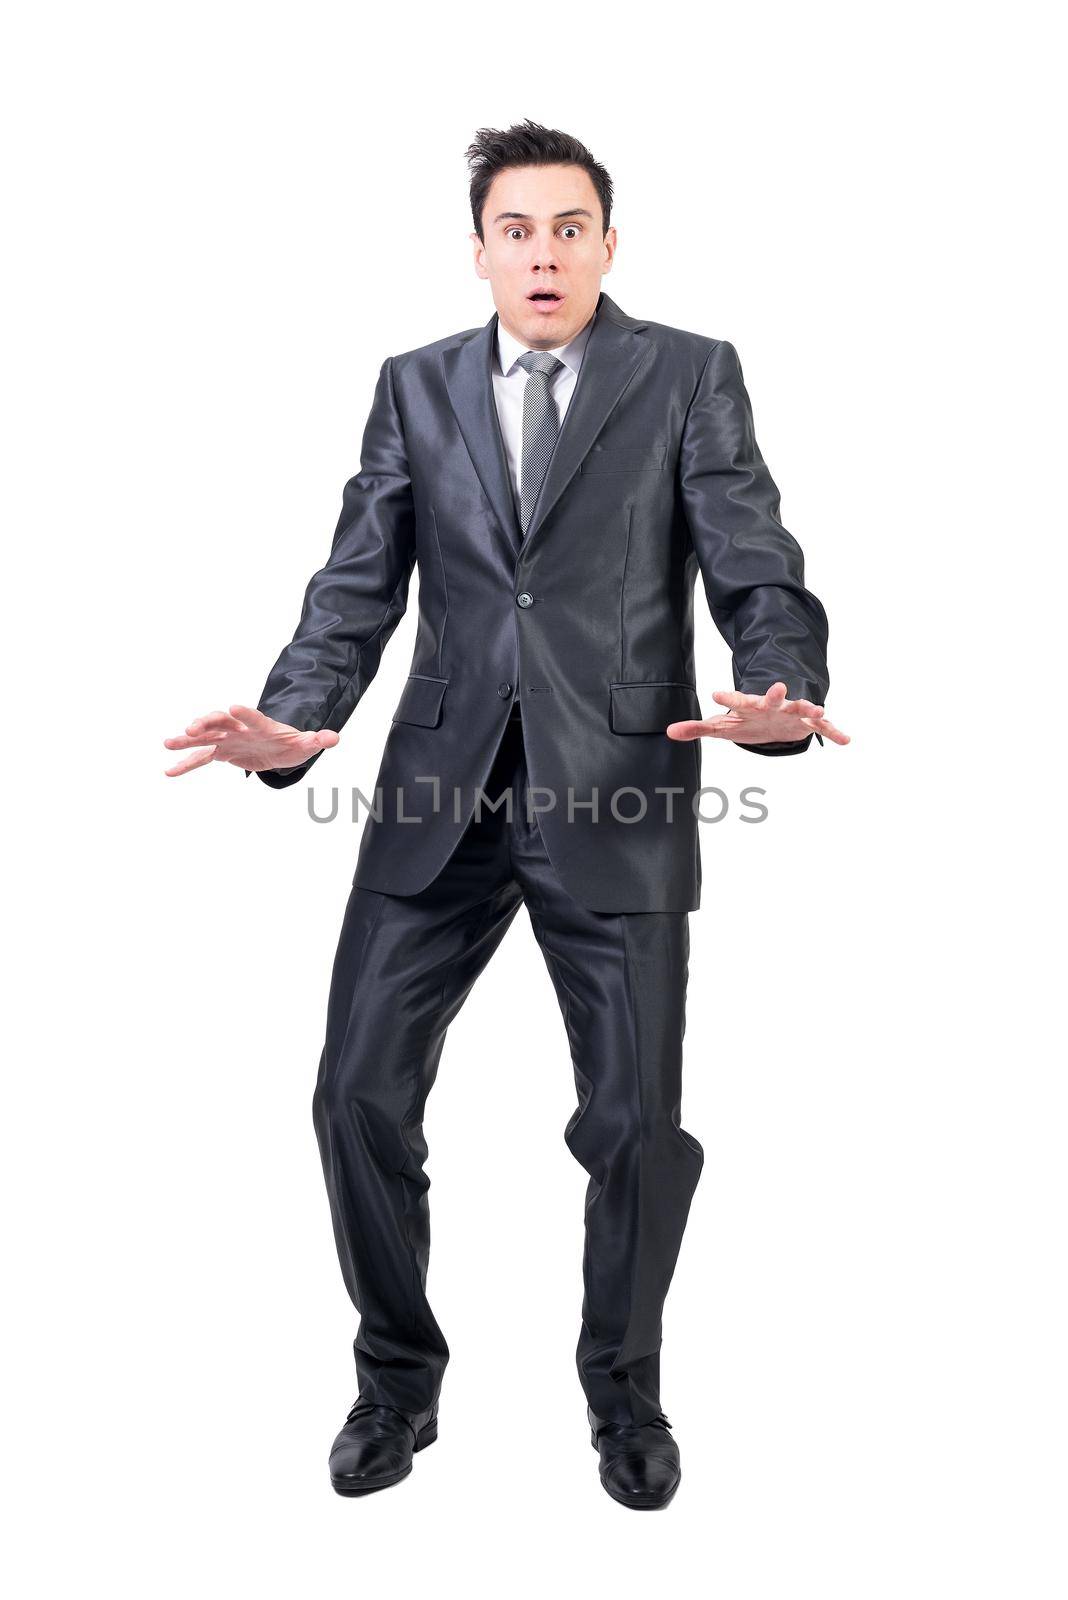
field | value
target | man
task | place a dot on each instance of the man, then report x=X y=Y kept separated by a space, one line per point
x=560 y=476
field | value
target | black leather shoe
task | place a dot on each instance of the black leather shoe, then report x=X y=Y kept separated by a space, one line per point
x=375 y=1447
x=640 y=1464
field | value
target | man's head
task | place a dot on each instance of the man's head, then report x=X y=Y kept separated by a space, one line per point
x=541 y=206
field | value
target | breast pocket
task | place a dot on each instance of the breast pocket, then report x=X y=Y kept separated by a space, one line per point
x=646 y=458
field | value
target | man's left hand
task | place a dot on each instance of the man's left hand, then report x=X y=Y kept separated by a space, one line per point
x=760 y=719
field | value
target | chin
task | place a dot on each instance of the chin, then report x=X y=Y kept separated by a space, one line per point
x=554 y=326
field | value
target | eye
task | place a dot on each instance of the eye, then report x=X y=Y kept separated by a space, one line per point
x=574 y=227
x=513 y=230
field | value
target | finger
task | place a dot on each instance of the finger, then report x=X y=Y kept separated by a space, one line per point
x=710 y=728
x=802 y=708
x=775 y=696
x=735 y=698
x=183 y=742
x=208 y=716
x=201 y=760
x=697 y=729
x=737 y=729
x=827 y=729
x=215 y=722
x=738 y=732
x=252 y=719
x=308 y=744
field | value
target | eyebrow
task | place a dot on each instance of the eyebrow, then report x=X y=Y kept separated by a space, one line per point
x=523 y=216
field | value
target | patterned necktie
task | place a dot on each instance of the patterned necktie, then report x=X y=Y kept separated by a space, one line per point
x=541 y=424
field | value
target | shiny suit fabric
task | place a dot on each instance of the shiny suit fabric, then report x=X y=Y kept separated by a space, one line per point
x=585 y=624
x=656 y=478
x=404 y=967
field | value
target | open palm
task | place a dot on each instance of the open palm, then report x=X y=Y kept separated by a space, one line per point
x=760 y=719
x=245 y=738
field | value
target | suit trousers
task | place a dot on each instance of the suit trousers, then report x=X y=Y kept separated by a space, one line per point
x=403 y=969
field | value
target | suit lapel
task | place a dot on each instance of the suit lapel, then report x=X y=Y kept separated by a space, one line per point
x=469 y=380
x=615 y=352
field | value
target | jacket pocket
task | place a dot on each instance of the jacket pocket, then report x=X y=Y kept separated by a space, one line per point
x=649 y=707
x=647 y=458
x=421 y=701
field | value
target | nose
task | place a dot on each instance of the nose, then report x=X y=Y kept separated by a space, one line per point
x=545 y=255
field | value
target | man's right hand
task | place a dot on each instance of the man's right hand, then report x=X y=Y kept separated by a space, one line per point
x=246 y=738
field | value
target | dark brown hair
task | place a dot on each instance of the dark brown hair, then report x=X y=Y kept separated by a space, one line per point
x=528 y=144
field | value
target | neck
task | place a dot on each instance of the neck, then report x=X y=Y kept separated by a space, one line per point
x=551 y=341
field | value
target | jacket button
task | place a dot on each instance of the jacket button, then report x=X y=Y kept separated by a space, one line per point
x=524 y=599
x=504 y=690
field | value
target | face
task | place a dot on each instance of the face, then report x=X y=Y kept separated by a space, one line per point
x=545 y=252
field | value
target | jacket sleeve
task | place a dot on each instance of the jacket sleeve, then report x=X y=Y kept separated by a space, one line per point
x=353 y=604
x=751 y=567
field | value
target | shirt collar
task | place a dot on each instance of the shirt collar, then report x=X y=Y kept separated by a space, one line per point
x=509 y=350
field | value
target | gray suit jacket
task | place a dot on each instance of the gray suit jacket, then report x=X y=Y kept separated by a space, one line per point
x=656 y=476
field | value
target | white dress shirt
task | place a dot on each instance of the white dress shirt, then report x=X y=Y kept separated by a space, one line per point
x=510 y=379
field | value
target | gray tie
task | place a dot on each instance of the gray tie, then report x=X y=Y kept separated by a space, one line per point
x=541 y=424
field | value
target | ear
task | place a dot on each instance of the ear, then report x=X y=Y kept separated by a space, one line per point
x=480 y=255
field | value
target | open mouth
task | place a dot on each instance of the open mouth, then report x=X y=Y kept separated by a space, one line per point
x=545 y=299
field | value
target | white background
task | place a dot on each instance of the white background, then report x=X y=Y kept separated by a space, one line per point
x=221 y=220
